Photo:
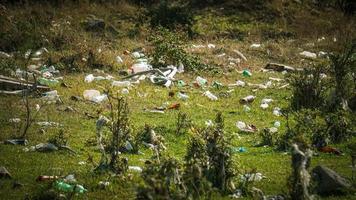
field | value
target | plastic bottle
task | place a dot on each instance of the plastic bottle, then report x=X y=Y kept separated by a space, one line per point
x=211 y=96
x=248 y=99
x=182 y=96
x=181 y=83
x=48 y=82
x=65 y=187
x=201 y=81
x=246 y=73
x=121 y=83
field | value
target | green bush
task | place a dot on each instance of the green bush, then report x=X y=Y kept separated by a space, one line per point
x=168 y=49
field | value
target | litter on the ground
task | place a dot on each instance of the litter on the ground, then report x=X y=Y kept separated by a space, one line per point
x=210 y=95
x=94 y=96
x=135 y=168
x=248 y=99
x=252 y=177
x=308 y=54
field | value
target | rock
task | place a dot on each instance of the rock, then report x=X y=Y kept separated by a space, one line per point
x=46 y=147
x=329 y=182
x=95 y=25
x=279 y=67
x=4 y=173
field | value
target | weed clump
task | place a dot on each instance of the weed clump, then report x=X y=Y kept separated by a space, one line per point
x=168 y=49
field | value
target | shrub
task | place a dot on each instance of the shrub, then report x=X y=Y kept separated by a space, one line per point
x=308 y=88
x=183 y=123
x=168 y=50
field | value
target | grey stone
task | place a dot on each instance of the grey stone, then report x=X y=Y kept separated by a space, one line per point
x=329 y=182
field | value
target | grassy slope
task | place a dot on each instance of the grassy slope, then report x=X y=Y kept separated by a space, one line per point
x=211 y=23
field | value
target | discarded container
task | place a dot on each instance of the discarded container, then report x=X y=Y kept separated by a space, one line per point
x=246 y=108
x=121 y=83
x=277 y=111
x=89 y=78
x=46 y=178
x=277 y=124
x=51 y=96
x=308 y=54
x=248 y=99
x=255 y=46
x=246 y=73
x=182 y=96
x=264 y=106
x=239 y=150
x=65 y=187
x=217 y=85
x=180 y=68
x=94 y=95
x=201 y=81
x=136 y=54
x=241 y=125
x=125 y=91
x=210 y=95
x=135 y=168
x=180 y=83
x=140 y=67
x=211 y=46
x=267 y=101
x=240 y=83
x=48 y=82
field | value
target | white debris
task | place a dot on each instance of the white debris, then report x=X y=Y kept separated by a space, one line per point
x=180 y=68
x=136 y=54
x=198 y=46
x=94 y=96
x=252 y=177
x=125 y=91
x=140 y=67
x=241 y=55
x=89 y=78
x=209 y=123
x=135 y=168
x=277 y=124
x=267 y=101
x=48 y=124
x=264 y=105
x=246 y=108
x=221 y=55
x=182 y=96
x=211 y=46
x=277 y=111
x=241 y=125
x=255 y=46
x=119 y=59
x=322 y=54
x=15 y=120
x=308 y=54
x=210 y=95
x=121 y=83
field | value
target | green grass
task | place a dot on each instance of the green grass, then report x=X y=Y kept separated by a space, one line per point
x=26 y=166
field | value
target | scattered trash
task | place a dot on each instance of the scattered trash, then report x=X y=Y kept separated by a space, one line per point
x=210 y=95
x=279 y=67
x=277 y=124
x=217 y=85
x=209 y=123
x=94 y=96
x=308 y=54
x=121 y=83
x=182 y=96
x=211 y=46
x=248 y=99
x=241 y=55
x=48 y=82
x=266 y=101
x=135 y=168
x=65 y=187
x=239 y=150
x=46 y=178
x=277 y=111
x=89 y=78
x=264 y=105
x=51 y=97
x=125 y=91
x=252 y=177
x=201 y=81
x=255 y=46
x=119 y=59
x=246 y=73
x=16 y=142
x=103 y=184
x=328 y=149
x=140 y=67
x=70 y=179
x=46 y=147
x=15 y=120
x=175 y=106
x=246 y=128
x=246 y=108
x=273 y=130
x=48 y=124
x=322 y=54
x=4 y=173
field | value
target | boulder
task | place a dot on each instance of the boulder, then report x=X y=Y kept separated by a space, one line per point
x=329 y=182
